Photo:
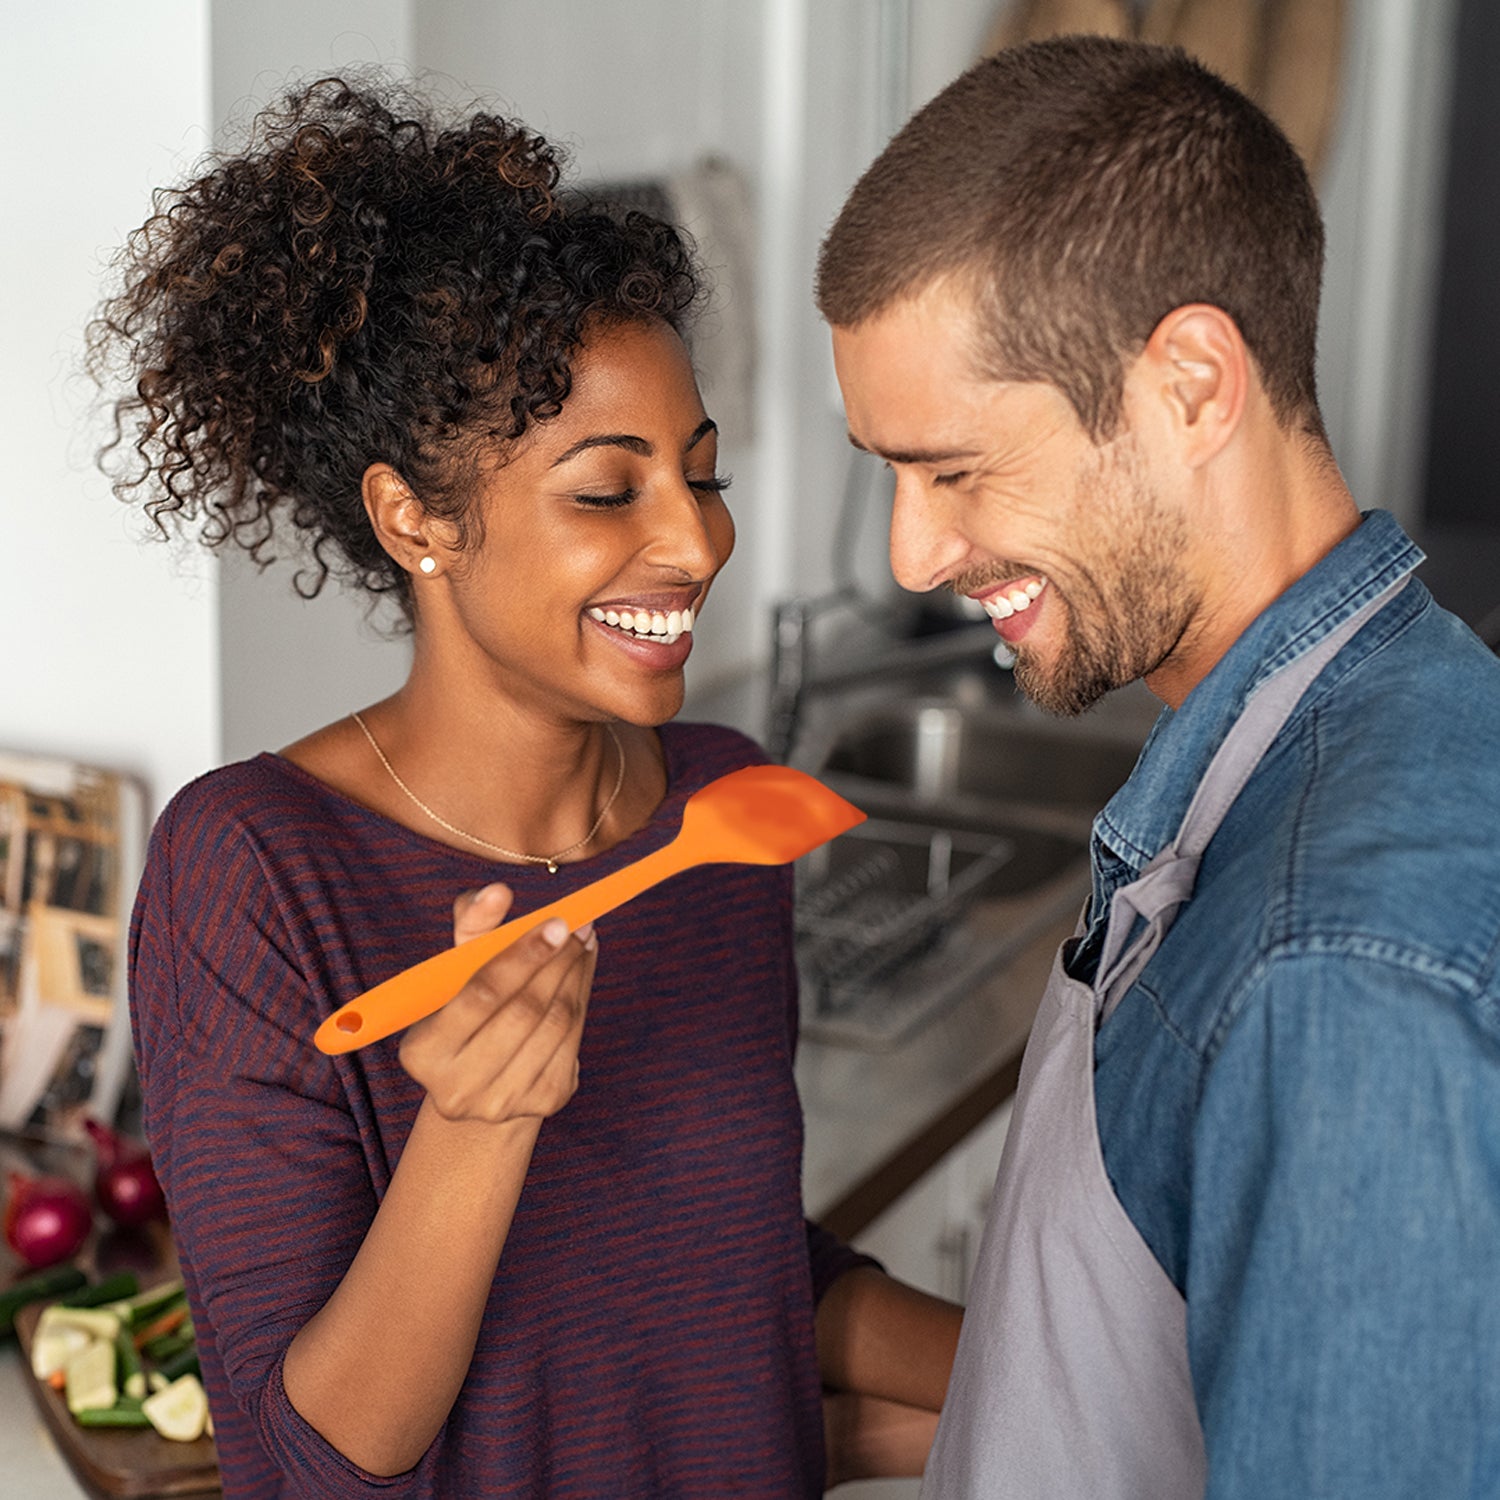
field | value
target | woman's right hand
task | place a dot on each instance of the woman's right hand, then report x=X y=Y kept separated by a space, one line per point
x=506 y=1046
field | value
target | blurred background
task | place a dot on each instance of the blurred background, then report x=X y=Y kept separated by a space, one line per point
x=750 y=119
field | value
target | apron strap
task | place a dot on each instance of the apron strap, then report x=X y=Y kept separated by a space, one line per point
x=1167 y=881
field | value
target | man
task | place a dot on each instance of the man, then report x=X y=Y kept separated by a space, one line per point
x=1246 y=1233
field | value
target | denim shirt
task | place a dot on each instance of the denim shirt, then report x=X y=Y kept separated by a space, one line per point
x=1299 y=1100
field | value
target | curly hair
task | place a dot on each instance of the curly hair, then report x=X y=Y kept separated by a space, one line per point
x=361 y=284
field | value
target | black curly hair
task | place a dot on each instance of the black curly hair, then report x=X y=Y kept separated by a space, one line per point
x=361 y=284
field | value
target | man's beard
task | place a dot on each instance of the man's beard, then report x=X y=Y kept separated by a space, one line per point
x=1124 y=615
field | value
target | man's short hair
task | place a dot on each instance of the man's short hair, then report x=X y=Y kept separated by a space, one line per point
x=1083 y=188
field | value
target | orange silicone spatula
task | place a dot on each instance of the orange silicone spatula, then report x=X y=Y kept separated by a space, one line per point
x=761 y=815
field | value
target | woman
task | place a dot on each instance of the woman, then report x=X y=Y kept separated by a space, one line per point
x=411 y=1269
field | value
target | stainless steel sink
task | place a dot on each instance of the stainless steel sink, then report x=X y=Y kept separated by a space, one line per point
x=943 y=753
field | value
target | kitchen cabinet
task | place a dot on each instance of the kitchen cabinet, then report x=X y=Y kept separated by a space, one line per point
x=930 y=1235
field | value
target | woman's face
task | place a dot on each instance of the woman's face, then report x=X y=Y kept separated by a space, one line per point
x=609 y=512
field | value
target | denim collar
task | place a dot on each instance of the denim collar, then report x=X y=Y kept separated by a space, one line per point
x=1146 y=812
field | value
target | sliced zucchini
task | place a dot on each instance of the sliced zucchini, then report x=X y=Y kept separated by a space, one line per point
x=137 y=1311
x=179 y=1412
x=128 y=1366
x=111 y=1289
x=52 y=1348
x=91 y=1376
x=37 y=1288
x=111 y=1416
x=97 y=1322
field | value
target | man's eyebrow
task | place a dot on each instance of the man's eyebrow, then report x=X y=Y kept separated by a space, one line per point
x=631 y=443
x=917 y=455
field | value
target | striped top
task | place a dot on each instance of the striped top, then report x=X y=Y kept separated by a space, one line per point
x=650 y=1329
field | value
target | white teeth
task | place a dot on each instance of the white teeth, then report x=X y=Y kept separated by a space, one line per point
x=1003 y=606
x=644 y=625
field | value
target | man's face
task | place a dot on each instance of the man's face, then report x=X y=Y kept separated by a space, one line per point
x=1002 y=495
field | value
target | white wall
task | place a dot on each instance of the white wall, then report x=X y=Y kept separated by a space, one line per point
x=110 y=643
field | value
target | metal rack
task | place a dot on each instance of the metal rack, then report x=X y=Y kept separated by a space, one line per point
x=881 y=945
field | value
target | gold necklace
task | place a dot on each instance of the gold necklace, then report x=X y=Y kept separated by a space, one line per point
x=550 y=860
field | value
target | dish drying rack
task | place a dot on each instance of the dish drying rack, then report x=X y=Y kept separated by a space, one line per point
x=881 y=941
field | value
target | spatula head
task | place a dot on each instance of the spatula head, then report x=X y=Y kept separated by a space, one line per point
x=764 y=815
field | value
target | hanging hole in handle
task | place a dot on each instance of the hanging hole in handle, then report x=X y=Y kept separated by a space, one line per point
x=350 y=1022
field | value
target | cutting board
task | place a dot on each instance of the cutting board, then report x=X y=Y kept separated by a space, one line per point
x=113 y=1463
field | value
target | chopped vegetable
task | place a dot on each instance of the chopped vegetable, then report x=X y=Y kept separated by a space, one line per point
x=111 y=1416
x=125 y=1361
x=167 y=1346
x=111 y=1289
x=131 y=1376
x=91 y=1376
x=180 y=1412
x=98 y=1322
x=50 y=1283
x=54 y=1347
x=184 y=1362
x=168 y=1322
x=134 y=1311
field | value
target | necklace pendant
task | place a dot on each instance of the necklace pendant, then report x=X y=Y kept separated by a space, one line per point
x=551 y=867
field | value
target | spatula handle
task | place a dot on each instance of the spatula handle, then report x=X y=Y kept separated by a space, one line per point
x=418 y=991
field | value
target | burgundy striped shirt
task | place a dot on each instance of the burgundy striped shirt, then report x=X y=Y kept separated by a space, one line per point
x=650 y=1328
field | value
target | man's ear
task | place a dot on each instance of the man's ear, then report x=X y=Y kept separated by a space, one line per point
x=1196 y=367
x=401 y=523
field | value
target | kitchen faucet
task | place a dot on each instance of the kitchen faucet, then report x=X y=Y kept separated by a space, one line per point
x=794 y=678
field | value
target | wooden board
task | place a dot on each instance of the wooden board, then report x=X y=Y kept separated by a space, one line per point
x=114 y=1463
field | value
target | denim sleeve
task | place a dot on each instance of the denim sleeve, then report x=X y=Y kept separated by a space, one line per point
x=1344 y=1264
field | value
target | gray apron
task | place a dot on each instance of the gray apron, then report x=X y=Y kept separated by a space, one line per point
x=1071 y=1379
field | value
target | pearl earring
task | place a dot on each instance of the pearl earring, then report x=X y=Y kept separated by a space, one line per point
x=428 y=565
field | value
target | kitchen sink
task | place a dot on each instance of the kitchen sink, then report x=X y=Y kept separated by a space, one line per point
x=938 y=752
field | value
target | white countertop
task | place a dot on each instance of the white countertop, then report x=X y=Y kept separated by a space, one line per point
x=33 y=1469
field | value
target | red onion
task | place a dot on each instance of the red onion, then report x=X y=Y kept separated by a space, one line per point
x=125 y=1183
x=47 y=1219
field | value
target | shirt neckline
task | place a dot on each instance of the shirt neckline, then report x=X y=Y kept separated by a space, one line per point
x=658 y=829
x=1145 y=814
